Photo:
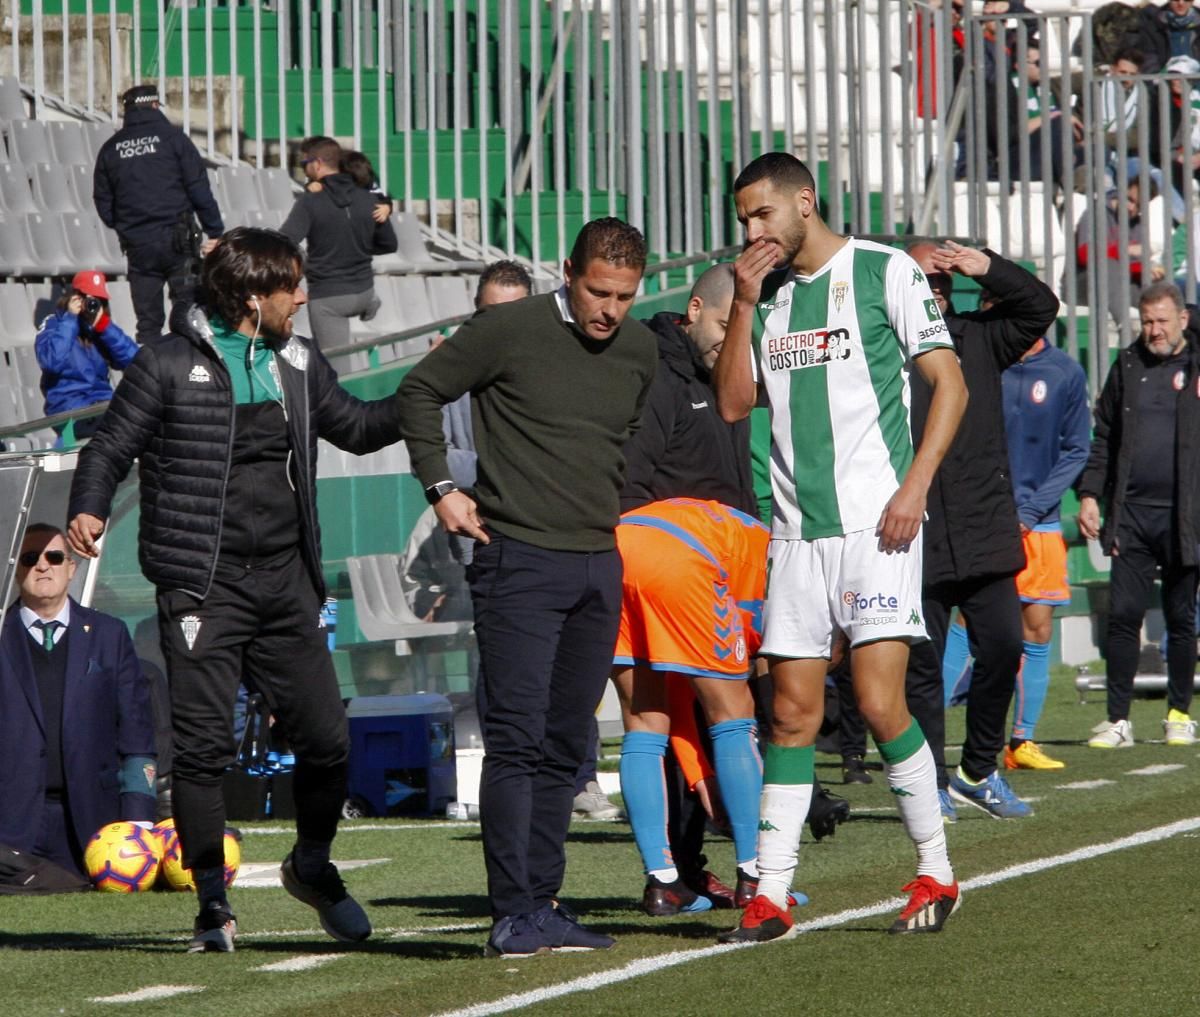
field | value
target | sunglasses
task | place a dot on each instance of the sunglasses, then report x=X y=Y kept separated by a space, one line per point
x=30 y=558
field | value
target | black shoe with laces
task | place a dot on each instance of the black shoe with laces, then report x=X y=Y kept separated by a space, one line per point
x=340 y=914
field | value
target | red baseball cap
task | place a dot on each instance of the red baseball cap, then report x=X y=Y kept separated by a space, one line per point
x=92 y=283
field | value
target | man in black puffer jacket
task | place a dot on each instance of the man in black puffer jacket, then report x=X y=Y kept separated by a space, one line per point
x=973 y=548
x=223 y=417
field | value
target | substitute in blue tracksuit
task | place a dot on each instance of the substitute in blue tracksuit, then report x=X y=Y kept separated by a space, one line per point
x=1047 y=425
x=76 y=347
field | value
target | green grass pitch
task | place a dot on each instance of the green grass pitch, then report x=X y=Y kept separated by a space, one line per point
x=1102 y=920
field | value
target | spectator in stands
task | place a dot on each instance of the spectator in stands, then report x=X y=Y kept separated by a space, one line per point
x=76 y=346
x=1169 y=30
x=971 y=533
x=1051 y=121
x=1120 y=96
x=76 y=728
x=339 y=227
x=1184 y=77
x=1145 y=466
x=229 y=536
x=558 y=383
x=1122 y=289
x=1047 y=426
x=360 y=169
x=148 y=185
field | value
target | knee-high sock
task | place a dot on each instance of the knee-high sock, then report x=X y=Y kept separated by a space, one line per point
x=786 y=796
x=956 y=663
x=1032 y=681
x=740 y=773
x=912 y=778
x=644 y=788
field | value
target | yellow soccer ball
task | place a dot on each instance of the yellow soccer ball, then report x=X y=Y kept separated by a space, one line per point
x=122 y=858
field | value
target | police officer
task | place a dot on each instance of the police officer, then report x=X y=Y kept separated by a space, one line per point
x=149 y=180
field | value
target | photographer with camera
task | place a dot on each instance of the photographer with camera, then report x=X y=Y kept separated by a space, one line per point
x=76 y=346
x=149 y=185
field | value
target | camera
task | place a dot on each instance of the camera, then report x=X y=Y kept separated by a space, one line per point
x=92 y=307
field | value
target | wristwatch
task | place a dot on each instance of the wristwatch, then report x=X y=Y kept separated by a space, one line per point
x=436 y=492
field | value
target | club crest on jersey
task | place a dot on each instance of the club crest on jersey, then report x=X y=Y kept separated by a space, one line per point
x=1038 y=394
x=191 y=629
x=931 y=310
x=1179 y=380
x=840 y=289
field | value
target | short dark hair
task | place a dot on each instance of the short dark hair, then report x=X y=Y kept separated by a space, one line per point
x=359 y=167
x=1164 y=290
x=322 y=148
x=248 y=262
x=609 y=239
x=49 y=529
x=503 y=273
x=782 y=169
x=1133 y=55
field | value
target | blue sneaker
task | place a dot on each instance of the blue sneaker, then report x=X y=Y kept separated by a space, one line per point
x=992 y=794
x=949 y=812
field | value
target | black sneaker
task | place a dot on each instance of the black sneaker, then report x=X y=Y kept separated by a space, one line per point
x=747 y=890
x=662 y=899
x=561 y=930
x=340 y=914
x=825 y=813
x=214 y=931
x=515 y=936
x=854 y=771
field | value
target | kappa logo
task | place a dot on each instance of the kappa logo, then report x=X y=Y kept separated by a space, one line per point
x=914 y=618
x=199 y=373
x=900 y=792
x=190 y=625
x=766 y=826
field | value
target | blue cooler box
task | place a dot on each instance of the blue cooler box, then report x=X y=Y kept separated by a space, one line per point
x=401 y=754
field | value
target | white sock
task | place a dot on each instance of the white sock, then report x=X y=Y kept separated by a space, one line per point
x=666 y=875
x=750 y=868
x=914 y=784
x=781 y=814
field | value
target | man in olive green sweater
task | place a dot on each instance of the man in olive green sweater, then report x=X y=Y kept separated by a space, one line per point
x=557 y=383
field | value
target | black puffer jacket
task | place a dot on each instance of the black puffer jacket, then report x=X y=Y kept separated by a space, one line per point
x=683 y=449
x=1106 y=475
x=174 y=412
x=972 y=530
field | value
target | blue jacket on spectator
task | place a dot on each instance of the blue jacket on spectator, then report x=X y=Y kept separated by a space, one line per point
x=75 y=370
x=1047 y=424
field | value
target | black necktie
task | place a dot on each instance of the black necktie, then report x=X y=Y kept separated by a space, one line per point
x=48 y=632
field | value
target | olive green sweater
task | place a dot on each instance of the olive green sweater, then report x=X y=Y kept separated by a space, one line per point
x=551 y=410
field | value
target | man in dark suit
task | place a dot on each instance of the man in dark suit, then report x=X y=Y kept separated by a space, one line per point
x=76 y=727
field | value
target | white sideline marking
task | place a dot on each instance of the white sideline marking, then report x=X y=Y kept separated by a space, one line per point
x=395 y=933
x=148 y=993
x=649 y=965
x=1155 y=770
x=344 y=827
x=303 y=963
x=1083 y=785
x=257 y=875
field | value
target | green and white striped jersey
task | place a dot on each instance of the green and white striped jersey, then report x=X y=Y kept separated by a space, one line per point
x=834 y=351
